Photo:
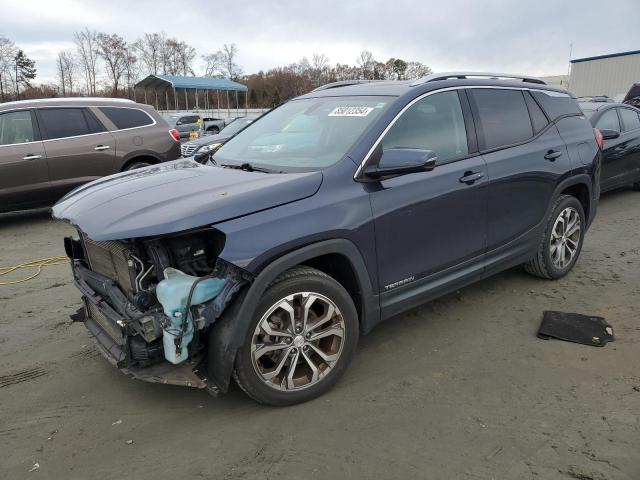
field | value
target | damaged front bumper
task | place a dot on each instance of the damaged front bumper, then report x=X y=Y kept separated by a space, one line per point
x=130 y=339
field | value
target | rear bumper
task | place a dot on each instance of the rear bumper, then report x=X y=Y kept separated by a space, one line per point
x=113 y=335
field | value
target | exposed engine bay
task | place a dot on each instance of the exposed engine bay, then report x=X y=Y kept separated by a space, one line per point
x=150 y=301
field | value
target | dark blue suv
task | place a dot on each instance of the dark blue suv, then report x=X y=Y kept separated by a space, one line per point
x=335 y=211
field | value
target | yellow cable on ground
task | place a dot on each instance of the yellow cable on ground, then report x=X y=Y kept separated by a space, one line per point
x=38 y=264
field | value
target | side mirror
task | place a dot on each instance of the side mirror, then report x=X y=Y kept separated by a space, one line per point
x=401 y=161
x=609 y=134
x=178 y=122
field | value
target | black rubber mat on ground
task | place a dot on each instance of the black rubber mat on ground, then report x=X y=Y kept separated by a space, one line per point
x=573 y=327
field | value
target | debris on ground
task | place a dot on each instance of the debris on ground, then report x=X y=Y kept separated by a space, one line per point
x=117 y=422
x=35 y=467
x=129 y=442
x=577 y=328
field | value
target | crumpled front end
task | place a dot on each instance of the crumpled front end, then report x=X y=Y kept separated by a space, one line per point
x=150 y=302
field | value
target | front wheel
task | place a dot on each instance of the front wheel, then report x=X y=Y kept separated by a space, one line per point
x=301 y=340
x=561 y=241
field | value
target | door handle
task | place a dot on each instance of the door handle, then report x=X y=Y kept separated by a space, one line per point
x=471 y=177
x=31 y=157
x=102 y=147
x=552 y=155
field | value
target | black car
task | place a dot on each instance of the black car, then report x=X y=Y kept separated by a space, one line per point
x=209 y=143
x=336 y=210
x=619 y=125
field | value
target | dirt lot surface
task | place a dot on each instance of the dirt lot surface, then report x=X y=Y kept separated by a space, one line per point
x=460 y=388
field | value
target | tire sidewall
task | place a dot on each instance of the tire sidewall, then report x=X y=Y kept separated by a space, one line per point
x=326 y=286
x=554 y=272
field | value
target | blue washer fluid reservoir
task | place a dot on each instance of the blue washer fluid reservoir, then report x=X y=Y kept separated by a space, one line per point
x=172 y=293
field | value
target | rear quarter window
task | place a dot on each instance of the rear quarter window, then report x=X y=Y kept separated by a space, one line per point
x=127 y=117
x=557 y=104
x=630 y=120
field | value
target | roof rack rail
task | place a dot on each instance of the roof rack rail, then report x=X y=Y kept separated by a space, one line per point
x=342 y=83
x=462 y=75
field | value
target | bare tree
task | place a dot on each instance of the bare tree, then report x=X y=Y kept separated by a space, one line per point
x=151 y=52
x=367 y=63
x=131 y=70
x=67 y=69
x=416 y=70
x=87 y=48
x=113 y=50
x=223 y=63
x=7 y=54
x=319 y=68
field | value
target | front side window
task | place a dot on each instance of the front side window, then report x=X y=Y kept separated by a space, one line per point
x=305 y=134
x=126 y=117
x=609 y=121
x=16 y=127
x=630 y=120
x=504 y=118
x=433 y=123
x=63 y=122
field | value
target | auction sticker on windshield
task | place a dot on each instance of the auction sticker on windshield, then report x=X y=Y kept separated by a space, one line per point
x=350 y=111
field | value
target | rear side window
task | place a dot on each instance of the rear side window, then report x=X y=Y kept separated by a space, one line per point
x=538 y=117
x=630 y=120
x=16 y=127
x=64 y=122
x=609 y=121
x=434 y=123
x=504 y=117
x=557 y=104
x=126 y=117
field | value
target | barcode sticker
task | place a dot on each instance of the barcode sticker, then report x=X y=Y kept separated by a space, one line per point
x=350 y=111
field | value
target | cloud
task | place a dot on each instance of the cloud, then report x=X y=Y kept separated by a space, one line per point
x=494 y=35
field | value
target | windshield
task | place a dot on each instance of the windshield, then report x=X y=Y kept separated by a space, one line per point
x=237 y=125
x=306 y=134
x=588 y=112
x=171 y=119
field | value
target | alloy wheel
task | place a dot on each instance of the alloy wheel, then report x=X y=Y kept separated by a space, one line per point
x=565 y=237
x=298 y=341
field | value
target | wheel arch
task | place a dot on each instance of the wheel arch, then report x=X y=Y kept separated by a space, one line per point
x=338 y=256
x=139 y=157
x=578 y=186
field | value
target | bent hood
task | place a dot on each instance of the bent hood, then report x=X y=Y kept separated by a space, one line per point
x=177 y=196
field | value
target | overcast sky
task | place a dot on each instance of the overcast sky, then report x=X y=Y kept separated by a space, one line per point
x=496 y=35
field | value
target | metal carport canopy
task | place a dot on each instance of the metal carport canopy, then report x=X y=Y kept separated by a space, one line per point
x=200 y=83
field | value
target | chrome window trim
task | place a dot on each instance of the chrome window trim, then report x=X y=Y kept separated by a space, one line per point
x=551 y=93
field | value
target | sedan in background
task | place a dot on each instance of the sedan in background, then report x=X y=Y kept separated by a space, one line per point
x=620 y=128
x=211 y=143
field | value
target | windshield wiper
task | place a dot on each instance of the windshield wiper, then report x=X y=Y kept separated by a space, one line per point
x=247 y=167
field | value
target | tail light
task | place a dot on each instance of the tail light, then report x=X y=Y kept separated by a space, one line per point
x=599 y=138
x=176 y=135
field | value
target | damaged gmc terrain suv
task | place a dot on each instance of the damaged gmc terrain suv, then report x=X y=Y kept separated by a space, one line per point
x=338 y=209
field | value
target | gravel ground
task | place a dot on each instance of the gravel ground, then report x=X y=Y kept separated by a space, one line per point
x=459 y=388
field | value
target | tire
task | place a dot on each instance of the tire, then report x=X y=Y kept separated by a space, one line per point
x=214 y=130
x=136 y=165
x=330 y=309
x=548 y=262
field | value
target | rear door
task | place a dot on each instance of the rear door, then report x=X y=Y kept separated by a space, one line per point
x=79 y=148
x=24 y=178
x=525 y=158
x=429 y=222
x=613 y=170
x=631 y=143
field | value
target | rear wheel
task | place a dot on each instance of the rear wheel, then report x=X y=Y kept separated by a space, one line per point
x=561 y=241
x=301 y=340
x=214 y=130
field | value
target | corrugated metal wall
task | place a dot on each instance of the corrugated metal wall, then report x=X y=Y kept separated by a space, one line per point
x=611 y=76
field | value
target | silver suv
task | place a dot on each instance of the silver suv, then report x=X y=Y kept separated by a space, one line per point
x=50 y=146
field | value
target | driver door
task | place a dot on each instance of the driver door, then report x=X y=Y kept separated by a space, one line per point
x=429 y=224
